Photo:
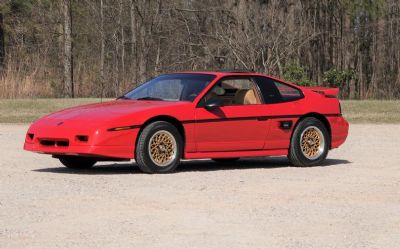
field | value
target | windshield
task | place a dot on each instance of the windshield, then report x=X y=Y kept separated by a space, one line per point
x=171 y=87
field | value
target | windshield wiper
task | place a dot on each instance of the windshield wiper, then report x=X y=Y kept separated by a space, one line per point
x=148 y=98
x=123 y=97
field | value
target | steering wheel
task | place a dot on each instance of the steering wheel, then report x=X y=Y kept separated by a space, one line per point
x=192 y=96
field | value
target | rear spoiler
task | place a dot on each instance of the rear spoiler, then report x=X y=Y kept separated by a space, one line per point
x=326 y=91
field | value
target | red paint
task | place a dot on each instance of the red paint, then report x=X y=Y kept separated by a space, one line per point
x=229 y=131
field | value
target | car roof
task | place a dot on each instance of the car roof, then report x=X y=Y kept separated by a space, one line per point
x=224 y=73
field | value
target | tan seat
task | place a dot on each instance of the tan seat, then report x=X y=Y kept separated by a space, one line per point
x=245 y=97
x=215 y=93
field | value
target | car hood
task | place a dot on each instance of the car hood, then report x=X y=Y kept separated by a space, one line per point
x=107 y=110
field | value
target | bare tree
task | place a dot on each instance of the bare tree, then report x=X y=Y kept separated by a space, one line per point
x=2 y=43
x=102 y=47
x=133 y=20
x=117 y=44
x=68 y=46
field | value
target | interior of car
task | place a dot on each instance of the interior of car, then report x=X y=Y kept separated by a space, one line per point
x=235 y=92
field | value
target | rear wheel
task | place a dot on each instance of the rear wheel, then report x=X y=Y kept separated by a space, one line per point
x=77 y=162
x=310 y=143
x=159 y=148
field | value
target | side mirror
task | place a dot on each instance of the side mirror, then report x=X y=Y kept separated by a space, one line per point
x=212 y=104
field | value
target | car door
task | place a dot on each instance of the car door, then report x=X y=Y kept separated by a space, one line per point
x=238 y=124
x=283 y=106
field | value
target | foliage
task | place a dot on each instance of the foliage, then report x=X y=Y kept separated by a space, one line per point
x=118 y=44
x=373 y=8
x=337 y=78
x=18 y=6
x=296 y=74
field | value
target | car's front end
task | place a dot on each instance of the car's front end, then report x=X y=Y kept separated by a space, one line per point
x=76 y=138
x=94 y=130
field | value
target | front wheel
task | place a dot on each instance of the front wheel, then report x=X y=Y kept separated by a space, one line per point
x=159 y=148
x=309 y=144
x=77 y=162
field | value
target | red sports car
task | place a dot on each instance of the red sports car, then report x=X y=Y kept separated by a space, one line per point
x=218 y=115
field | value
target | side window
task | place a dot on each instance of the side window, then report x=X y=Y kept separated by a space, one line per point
x=235 y=91
x=275 y=92
x=287 y=92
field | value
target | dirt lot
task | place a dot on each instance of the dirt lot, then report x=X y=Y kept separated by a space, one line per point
x=351 y=202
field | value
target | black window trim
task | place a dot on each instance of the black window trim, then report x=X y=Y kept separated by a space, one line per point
x=200 y=104
x=283 y=83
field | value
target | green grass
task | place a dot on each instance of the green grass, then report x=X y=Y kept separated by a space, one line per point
x=27 y=110
x=371 y=111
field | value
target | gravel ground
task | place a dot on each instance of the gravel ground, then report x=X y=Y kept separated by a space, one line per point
x=353 y=201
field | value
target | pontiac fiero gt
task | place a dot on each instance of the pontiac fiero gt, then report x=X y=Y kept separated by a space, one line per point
x=219 y=115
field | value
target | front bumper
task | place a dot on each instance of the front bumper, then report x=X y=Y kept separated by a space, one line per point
x=125 y=152
x=100 y=143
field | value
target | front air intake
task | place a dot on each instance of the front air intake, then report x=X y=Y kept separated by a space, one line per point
x=54 y=143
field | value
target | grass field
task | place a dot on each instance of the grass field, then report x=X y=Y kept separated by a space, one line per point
x=27 y=110
x=372 y=111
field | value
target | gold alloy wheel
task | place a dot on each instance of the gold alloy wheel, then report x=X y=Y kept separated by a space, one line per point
x=162 y=148
x=312 y=142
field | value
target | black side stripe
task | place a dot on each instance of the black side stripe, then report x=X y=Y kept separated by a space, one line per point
x=259 y=118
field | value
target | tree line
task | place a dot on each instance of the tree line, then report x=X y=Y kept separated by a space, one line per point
x=82 y=48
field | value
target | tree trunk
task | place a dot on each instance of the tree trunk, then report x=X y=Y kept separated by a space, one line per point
x=133 y=40
x=119 y=52
x=121 y=26
x=68 y=59
x=2 y=44
x=102 y=47
x=142 y=45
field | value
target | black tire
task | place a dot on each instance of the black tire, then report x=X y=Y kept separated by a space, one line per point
x=225 y=160
x=77 y=162
x=145 y=160
x=298 y=156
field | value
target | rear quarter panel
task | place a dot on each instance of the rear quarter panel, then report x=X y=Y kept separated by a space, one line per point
x=330 y=108
x=312 y=103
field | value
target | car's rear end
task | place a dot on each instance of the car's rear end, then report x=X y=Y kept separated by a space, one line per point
x=329 y=105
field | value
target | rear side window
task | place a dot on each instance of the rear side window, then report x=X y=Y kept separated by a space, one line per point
x=287 y=92
x=276 y=92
